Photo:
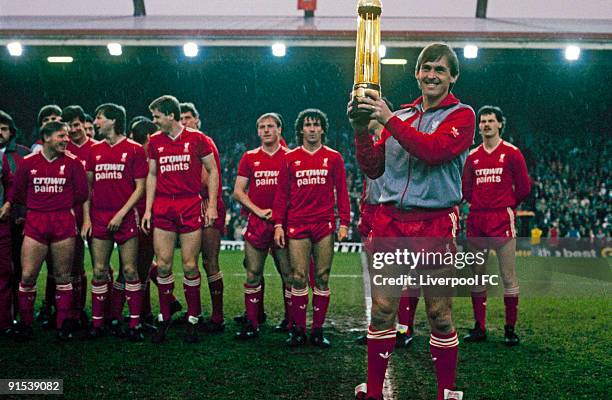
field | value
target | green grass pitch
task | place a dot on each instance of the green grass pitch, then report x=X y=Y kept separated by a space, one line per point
x=564 y=352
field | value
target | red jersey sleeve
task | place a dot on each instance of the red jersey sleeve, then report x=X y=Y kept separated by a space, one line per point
x=342 y=196
x=81 y=188
x=204 y=148
x=244 y=167
x=467 y=181
x=522 y=185
x=140 y=165
x=453 y=137
x=281 y=200
x=370 y=156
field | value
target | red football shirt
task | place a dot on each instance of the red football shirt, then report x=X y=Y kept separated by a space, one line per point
x=115 y=168
x=179 y=162
x=307 y=182
x=495 y=179
x=44 y=185
x=82 y=151
x=262 y=170
x=215 y=152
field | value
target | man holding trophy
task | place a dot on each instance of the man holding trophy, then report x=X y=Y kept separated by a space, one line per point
x=419 y=160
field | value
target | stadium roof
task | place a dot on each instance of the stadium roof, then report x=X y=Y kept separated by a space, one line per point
x=300 y=31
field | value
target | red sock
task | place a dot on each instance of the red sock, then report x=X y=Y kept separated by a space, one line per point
x=63 y=303
x=99 y=294
x=287 y=301
x=133 y=296
x=299 y=303
x=320 y=302
x=511 y=299
x=252 y=300
x=444 y=349
x=191 y=288
x=263 y=292
x=479 y=305
x=165 y=287
x=26 y=298
x=117 y=300
x=380 y=348
x=413 y=302
x=311 y=273
x=215 y=286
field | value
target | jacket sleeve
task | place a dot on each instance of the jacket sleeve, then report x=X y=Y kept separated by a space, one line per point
x=467 y=180
x=18 y=190
x=281 y=198
x=453 y=136
x=522 y=185
x=342 y=196
x=7 y=176
x=370 y=156
x=81 y=187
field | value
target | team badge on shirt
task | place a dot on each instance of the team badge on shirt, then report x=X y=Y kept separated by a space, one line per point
x=501 y=157
x=123 y=157
x=98 y=157
x=455 y=131
x=61 y=171
x=186 y=149
x=325 y=162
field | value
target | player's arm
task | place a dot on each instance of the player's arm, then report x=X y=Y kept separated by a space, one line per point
x=281 y=203
x=17 y=192
x=453 y=136
x=7 y=182
x=522 y=185
x=242 y=197
x=342 y=198
x=370 y=157
x=467 y=181
x=81 y=187
x=209 y=164
x=150 y=185
x=117 y=219
x=86 y=228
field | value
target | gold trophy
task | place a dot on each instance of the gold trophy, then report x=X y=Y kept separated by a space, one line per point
x=367 y=53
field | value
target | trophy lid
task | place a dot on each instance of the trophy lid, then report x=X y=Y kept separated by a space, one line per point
x=369 y=3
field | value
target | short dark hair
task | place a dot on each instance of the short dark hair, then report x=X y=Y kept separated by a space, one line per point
x=45 y=111
x=189 y=107
x=142 y=129
x=167 y=105
x=312 y=113
x=435 y=52
x=73 y=112
x=6 y=119
x=116 y=112
x=89 y=118
x=50 y=128
x=275 y=116
x=499 y=115
x=136 y=119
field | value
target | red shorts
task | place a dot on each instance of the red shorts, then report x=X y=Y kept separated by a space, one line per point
x=498 y=225
x=127 y=230
x=181 y=215
x=315 y=232
x=259 y=233
x=50 y=226
x=429 y=230
x=220 y=221
x=367 y=220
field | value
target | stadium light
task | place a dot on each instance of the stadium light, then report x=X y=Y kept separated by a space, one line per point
x=470 y=51
x=572 y=53
x=114 y=49
x=15 y=49
x=382 y=51
x=60 y=59
x=279 y=50
x=190 y=49
x=394 y=61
